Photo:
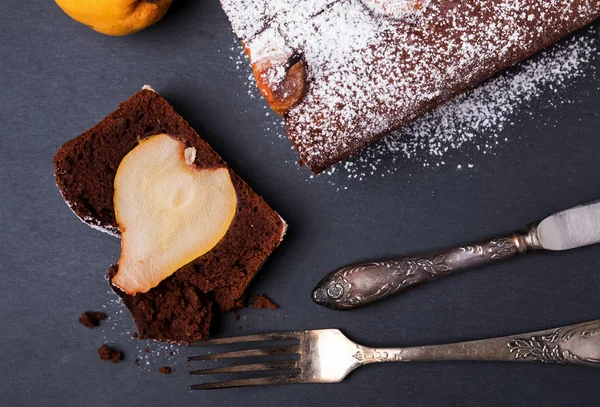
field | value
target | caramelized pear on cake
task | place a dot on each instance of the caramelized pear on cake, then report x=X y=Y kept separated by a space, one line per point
x=280 y=72
x=169 y=211
x=283 y=86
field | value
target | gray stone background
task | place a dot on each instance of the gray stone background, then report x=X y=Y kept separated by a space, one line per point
x=58 y=78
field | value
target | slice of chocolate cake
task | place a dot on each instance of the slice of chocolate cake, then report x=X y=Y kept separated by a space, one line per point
x=181 y=307
x=344 y=73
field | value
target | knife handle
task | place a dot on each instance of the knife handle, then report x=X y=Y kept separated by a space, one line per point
x=361 y=284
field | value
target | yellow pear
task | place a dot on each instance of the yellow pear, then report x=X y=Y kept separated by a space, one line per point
x=116 y=17
x=169 y=211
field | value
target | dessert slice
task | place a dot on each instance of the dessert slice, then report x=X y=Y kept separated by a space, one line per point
x=94 y=174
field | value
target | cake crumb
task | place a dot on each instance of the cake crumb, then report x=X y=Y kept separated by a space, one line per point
x=240 y=303
x=91 y=319
x=170 y=353
x=134 y=335
x=137 y=362
x=106 y=353
x=165 y=370
x=262 y=301
x=146 y=350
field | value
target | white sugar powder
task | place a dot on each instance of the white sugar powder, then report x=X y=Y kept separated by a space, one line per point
x=368 y=73
x=473 y=122
x=476 y=120
x=486 y=110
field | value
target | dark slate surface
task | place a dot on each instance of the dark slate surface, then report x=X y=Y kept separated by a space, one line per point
x=58 y=78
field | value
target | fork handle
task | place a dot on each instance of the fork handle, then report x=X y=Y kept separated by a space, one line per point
x=361 y=284
x=575 y=344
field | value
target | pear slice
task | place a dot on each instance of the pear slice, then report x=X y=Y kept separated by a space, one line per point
x=169 y=212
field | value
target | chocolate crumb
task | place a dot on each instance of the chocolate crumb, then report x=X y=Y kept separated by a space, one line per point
x=91 y=319
x=239 y=327
x=237 y=317
x=241 y=303
x=137 y=362
x=165 y=370
x=106 y=353
x=134 y=335
x=170 y=353
x=146 y=350
x=262 y=301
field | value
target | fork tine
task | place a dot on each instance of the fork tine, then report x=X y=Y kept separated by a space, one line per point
x=255 y=367
x=285 y=350
x=275 y=336
x=257 y=381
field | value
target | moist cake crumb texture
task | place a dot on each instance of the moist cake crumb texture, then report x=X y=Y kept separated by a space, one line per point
x=109 y=354
x=262 y=301
x=369 y=74
x=182 y=307
x=91 y=319
x=165 y=370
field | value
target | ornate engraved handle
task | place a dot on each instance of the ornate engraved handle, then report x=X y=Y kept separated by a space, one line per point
x=576 y=344
x=362 y=284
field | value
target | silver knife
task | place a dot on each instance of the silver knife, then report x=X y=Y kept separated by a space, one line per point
x=362 y=284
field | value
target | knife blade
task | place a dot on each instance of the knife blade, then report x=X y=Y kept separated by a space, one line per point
x=572 y=228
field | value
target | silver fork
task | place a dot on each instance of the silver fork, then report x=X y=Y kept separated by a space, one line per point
x=327 y=356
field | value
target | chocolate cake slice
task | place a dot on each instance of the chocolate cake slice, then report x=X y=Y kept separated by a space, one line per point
x=372 y=66
x=181 y=308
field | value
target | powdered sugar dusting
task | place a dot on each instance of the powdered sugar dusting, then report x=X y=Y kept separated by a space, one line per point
x=95 y=224
x=369 y=74
x=471 y=124
x=90 y=221
x=489 y=108
x=398 y=8
x=475 y=121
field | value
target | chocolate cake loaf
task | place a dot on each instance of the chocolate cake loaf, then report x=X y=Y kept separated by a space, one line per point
x=180 y=309
x=372 y=66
